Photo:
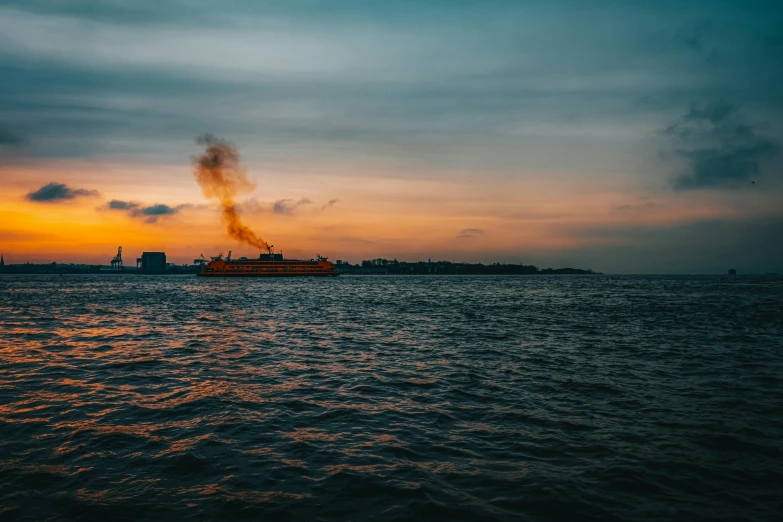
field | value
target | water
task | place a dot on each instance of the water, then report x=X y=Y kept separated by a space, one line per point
x=391 y=398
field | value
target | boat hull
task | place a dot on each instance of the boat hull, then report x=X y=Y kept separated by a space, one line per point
x=267 y=274
x=269 y=268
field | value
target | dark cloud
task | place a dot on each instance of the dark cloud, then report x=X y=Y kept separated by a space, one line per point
x=251 y=206
x=692 y=35
x=150 y=213
x=695 y=36
x=470 y=233
x=53 y=192
x=720 y=150
x=287 y=206
x=116 y=204
x=644 y=203
x=459 y=103
x=329 y=204
x=465 y=107
x=8 y=138
x=714 y=112
x=161 y=210
x=113 y=11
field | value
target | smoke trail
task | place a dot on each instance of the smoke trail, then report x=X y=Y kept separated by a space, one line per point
x=220 y=175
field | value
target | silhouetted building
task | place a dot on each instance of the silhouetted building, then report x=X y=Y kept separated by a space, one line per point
x=151 y=263
x=2 y=261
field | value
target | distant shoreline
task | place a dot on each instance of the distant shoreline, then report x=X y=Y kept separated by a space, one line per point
x=378 y=266
x=401 y=269
x=343 y=270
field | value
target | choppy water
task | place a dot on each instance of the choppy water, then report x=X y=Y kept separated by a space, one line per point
x=391 y=398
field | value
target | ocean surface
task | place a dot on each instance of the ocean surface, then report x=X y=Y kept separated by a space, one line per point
x=391 y=398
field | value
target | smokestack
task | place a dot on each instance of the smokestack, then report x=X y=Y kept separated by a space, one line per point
x=221 y=176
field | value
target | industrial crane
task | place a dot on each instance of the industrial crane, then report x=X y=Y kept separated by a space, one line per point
x=200 y=261
x=116 y=261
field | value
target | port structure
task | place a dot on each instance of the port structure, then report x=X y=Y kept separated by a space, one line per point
x=200 y=261
x=116 y=261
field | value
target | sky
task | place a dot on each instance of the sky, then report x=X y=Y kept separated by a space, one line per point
x=622 y=136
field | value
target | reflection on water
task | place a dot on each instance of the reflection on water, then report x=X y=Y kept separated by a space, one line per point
x=399 y=398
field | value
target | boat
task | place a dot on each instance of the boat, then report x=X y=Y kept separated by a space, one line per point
x=268 y=265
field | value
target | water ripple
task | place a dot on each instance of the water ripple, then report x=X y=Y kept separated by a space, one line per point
x=391 y=398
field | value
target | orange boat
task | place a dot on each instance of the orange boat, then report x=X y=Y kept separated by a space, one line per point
x=267 y=265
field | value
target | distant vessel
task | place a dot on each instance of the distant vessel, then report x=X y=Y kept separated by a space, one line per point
x=732 y=271
x=267 y=265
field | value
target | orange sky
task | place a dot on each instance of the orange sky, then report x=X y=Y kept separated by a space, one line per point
x=462 y=216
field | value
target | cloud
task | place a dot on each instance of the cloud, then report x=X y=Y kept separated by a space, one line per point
x=252 y=206
x=645 y=203
x=53 y=192
x=720 y=150
x=150 y=213
x=116 y=204
x=692 y=35
x=287 y=206
x=11 y=139
x=470 y=233
x=696 y=38
x=382 y=90
x=284 y=207
x=161 y=210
